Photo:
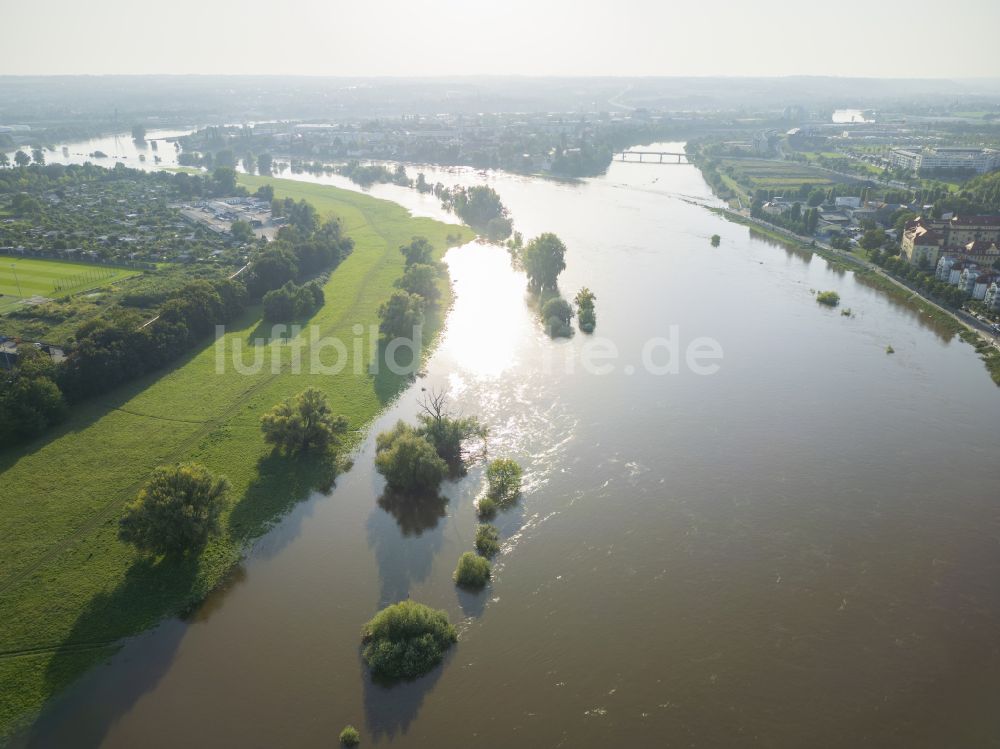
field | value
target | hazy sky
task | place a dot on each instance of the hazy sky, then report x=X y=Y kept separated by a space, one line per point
x=524 y=37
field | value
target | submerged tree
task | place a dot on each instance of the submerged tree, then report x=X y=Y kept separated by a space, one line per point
x=446 y=431
x=406 y=640
x=503 y=478
x=409 y=461
x=557 y=314
x=543 y=259
x=585 y=315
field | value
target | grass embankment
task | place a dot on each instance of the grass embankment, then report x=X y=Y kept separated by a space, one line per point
x=21 y=278
x=69 y=590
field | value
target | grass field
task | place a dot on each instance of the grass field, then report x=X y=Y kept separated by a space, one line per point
x=21 y=278
x=69 y=590
x=771 y=174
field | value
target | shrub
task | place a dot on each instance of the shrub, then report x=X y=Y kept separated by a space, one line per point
x=487 y=540
x=176 y=511
x=585 y=310
x=446 y=431
x=504 y=481
x=350 y=736
x=406 y=640
x=303 y=423
x=408 y=461
x=716 y=239
x=486 y=508
x=557 y=314
x=829 y=298
x=472 y=571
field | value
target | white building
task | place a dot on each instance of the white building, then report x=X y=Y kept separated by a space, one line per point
x=978 y=160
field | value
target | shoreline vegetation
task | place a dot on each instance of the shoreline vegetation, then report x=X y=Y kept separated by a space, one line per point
x=70 y=589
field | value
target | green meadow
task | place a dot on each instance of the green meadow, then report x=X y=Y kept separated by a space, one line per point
x=26 y=277
x=69 y=589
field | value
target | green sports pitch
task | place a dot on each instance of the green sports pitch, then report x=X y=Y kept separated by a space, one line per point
x=22 y=278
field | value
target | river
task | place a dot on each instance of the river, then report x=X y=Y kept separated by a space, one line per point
x=800 y=549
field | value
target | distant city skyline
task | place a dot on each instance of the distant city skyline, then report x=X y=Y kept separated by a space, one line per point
x=587 y=38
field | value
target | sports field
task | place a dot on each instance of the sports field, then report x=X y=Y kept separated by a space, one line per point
x=21 y=278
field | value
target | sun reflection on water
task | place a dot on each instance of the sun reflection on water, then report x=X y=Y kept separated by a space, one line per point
x=487 y=327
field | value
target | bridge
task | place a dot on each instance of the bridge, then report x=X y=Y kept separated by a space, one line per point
x=652 y=157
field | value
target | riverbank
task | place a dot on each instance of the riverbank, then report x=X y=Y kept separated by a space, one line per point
x=69 y=590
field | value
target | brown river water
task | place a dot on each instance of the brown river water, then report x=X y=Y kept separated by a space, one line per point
x=799 y=550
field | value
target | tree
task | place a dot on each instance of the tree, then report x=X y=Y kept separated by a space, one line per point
x=350 y=736
x=557 y=314
x=38 y=156
x=249 y=163
x=543 y=260
x=873 y=239
x=473 y=571
x=22 y=159
x=224 y=178
x=30 y=400
x=176 y=512
x=303 y=423
x=401 y=315
x=264 y=165
x=585 y=314
x=446 y=431
x=503 y=477
x=241 y=231
x=272 y=269
x=406 y=640
x=4 y=160
x=408 y=461
x=418 y=251
x=422 y=280
x=487 y=540
x=265 y=192
x=138 y=132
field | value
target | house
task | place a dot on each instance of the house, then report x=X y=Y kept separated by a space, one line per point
x=971 y=238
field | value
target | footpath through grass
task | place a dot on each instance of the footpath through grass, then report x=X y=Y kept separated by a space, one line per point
x=69 y=590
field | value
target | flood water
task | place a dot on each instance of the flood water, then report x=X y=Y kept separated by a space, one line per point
x=799 y=550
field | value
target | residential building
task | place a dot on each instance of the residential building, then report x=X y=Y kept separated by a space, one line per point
x=969 y=238
x=924 y=160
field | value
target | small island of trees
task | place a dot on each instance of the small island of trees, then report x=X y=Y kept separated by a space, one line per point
x=829 y=298
x=406 y=640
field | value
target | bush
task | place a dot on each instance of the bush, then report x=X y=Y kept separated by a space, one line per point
x=303 y=423
x=350 y=736
x=446 y=431
x=557 y=314
x=716 y=239
x=486 y=509
x=503 y=476
x=406 y=640
x=472 y=571
x=829 y=298
x=408 y=461
x=487 y=539
x=176 y=511
x=585 y=314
